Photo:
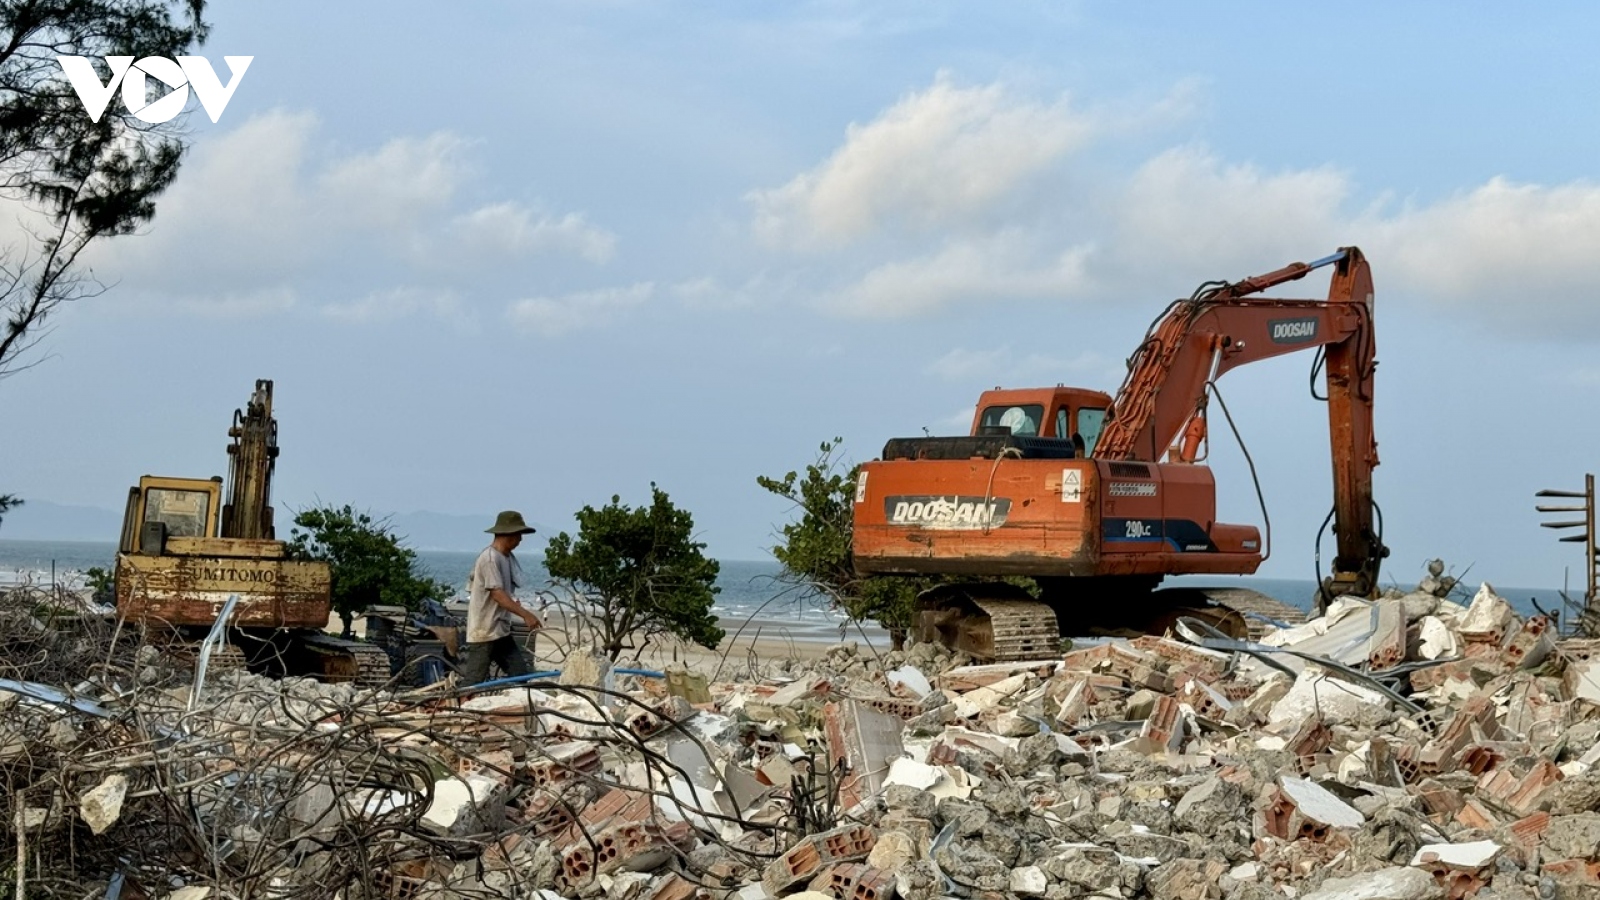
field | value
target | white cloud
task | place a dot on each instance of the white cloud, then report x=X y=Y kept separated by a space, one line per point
x=509 y=229
x=1519 y=255
x=930 y=160
x=554 y=316
x=399 y=303
x=399 y=183
x=1002 y=267
x=710 y=293
x=269 y=209
x=917 y=212
x=1193 y=211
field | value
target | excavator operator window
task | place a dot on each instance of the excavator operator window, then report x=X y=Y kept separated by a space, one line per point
x=1023 y=420
x=1091 y=422
x=183 y=512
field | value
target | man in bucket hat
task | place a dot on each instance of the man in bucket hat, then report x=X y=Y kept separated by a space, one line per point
x=493 y=603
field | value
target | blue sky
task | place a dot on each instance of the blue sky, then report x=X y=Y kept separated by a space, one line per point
x=534 y=255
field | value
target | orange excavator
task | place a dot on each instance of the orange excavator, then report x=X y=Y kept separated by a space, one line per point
x=1097 y=499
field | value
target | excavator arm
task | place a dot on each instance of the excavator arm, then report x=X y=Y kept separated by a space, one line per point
x=1225 y=326
x=251 y=457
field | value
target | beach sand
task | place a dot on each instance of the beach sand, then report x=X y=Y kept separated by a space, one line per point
x=748 y=644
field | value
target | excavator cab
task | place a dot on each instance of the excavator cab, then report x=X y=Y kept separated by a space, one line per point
x=1060 y=413
x=160 y=508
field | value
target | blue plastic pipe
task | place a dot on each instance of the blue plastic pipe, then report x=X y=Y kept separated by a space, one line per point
x=552 y=673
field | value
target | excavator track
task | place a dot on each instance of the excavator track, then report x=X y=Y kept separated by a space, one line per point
x=1256 y=607
x=342 y=660
x=988 y=622
x=183 y=651
x=1001 y=623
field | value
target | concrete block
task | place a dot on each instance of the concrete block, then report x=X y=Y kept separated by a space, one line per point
x=1068 y=698
x=893 y=850
x=1386 y=648
x=911 y=680
x=1296 y=809
x=983 y=699
x=1314 y=693
x=101 y=805
x=1581 y=680
x=1473 y=855
x=586 y=668
x=797 y=692
x=1395 y=883
x=1488 y=619
x=465 y=806
x=1029 y=881
x=691 y=686
x=1206 y=665
x=1435 y=640
x=1162 y=732
x=1529 y=646
x=867 y=741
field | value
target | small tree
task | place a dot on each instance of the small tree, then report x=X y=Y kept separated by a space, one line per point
x=816 y=549
x=369 y=565
x=645 y=570
x=8 y=502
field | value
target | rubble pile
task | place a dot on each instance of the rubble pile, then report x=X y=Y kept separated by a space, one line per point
x=1410 y=747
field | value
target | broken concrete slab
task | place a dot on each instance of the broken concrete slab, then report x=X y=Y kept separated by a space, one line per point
x=977 y=701
x=867 y=742
x=1394 y=883
x=1471 y=855
x=911 y=679
x=465 y=806
x=1334 y=700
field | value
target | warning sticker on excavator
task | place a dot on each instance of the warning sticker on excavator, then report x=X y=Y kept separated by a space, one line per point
x=1071 y=486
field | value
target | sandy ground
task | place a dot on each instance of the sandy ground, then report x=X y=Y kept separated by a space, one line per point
x=746 y=645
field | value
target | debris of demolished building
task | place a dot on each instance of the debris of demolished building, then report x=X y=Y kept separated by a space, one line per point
x=1409 y=747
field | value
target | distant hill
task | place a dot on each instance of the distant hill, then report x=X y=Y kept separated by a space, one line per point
x=41 y=520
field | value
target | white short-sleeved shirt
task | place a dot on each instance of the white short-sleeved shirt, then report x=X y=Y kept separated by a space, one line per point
x=486 y=621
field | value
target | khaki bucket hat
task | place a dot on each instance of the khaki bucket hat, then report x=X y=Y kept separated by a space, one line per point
x=509 y=522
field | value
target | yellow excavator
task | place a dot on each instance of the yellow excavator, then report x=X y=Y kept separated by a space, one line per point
x=185 y=551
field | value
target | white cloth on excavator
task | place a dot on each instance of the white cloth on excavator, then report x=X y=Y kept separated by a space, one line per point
x=1018 y=420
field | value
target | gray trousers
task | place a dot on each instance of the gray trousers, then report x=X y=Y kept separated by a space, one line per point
x=504 y=652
